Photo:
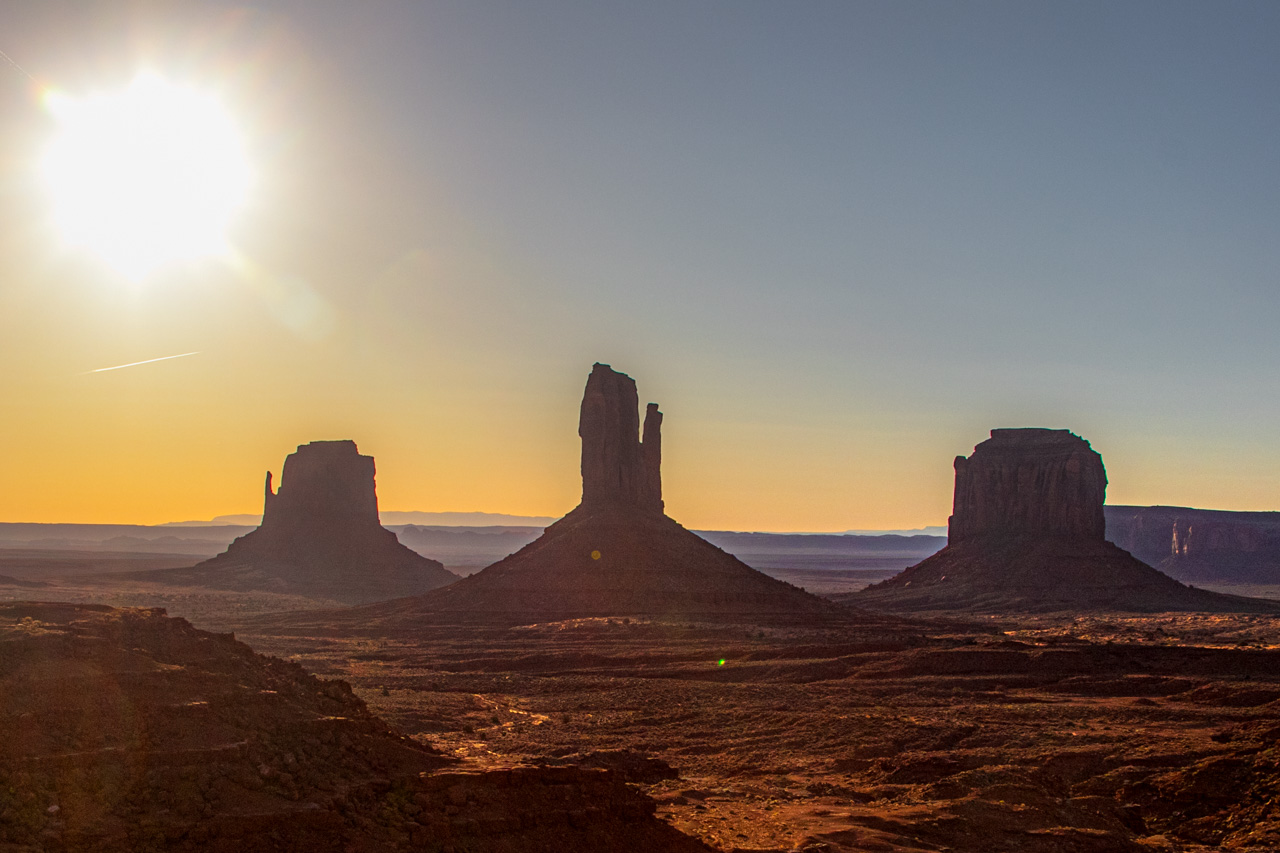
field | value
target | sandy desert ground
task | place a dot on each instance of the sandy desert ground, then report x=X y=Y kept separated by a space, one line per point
x=868 y=733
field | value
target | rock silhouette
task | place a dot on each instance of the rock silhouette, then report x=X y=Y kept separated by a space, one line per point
x=320 y=537
x=618 y=468
x=1029 y=482
x=616 y=553
x=1028 y=533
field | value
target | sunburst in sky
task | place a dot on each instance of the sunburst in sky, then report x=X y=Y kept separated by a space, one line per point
x=147 y=176
x=837 y=241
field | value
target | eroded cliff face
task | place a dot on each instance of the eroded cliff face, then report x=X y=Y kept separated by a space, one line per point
x=1205 y=538
x=618 y=469
x=1029 y=483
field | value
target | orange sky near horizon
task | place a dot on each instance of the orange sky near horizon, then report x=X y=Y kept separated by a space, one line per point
x=142 y=446
x=455 y=212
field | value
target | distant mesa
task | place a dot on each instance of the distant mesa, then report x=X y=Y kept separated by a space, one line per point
x=617 y=553
x=1201 y=545
x=320 y=537
x=1028 y=533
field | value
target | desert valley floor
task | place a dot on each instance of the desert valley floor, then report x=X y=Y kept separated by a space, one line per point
x=863 y=732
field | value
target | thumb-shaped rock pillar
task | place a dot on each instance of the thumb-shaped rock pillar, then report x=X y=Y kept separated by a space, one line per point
x=617 y=469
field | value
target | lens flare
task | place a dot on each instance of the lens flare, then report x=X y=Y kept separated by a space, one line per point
x=146 y=177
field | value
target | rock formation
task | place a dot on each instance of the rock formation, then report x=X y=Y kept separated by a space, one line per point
x=127 y=730
x=1201 y=545
x=320 y=537
x=1029 y=482
x=618 y=469
x=1028 y=532
x=617 y=553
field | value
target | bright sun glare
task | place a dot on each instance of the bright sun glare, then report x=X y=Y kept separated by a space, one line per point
x=146 y=177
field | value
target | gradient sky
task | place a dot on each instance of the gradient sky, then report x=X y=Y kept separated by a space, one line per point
x=837 y=241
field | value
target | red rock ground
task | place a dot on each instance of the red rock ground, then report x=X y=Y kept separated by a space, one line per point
x=128 y=730
x=1133 y=733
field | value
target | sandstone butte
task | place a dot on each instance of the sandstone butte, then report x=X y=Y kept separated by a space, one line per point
x=320 y=537
x=1028 y=533
x=127 y=730
x=617 y=552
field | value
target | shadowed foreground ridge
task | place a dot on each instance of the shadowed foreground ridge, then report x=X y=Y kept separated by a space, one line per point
x=128 y=730
x=1027 y=533
x=617 y=553
x=320 y=537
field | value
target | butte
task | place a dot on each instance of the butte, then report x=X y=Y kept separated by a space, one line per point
x=1027 y=533
x=320 y=537
x=616 y=553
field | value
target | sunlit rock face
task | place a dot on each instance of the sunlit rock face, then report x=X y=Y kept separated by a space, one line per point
x=1029 y=482
x=617 y=467
x=320 y=537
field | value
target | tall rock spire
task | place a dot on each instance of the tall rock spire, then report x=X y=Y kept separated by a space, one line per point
x=617 y=469
x=651 y=459
x=617 y=553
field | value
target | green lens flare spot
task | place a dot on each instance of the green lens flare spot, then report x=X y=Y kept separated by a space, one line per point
x=595 y=555
x=720 y=662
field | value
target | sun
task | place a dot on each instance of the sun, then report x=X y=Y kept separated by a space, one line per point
x=147 y=177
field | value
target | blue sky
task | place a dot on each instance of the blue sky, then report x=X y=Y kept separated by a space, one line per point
x=837 y=241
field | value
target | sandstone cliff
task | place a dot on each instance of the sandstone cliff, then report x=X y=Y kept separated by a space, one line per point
x=1201 y=545
x=1029 y=482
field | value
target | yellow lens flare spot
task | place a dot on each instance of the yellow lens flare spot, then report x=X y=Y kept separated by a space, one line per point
x=147 y=177
x=595 y=555
x=721 y=662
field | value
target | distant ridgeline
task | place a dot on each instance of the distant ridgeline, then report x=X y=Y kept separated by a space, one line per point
x=1192 y=545
x=1202 y=545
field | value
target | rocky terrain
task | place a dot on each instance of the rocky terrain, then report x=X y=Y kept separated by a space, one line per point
x=320 y=537
x=620 y=683
x=129 y=730
x=1028 y=533
x=1048 y=734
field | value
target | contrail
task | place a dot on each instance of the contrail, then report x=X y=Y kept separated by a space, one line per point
x=9 y=59
x=136 y=363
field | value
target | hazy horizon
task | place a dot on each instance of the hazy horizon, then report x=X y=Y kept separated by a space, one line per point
x=837 y=242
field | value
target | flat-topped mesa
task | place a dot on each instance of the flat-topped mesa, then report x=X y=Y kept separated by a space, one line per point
x=1029 y=483
x=1028 y=535
x=323 y=482
x=618 y=469
x=320 y=537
